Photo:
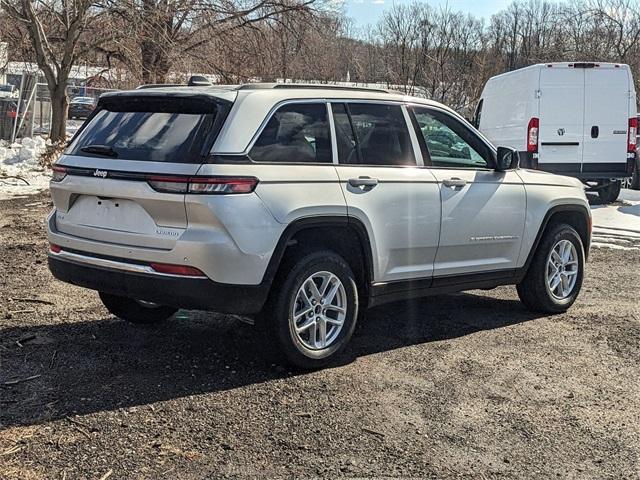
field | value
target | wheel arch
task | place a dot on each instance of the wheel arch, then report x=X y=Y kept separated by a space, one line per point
x=347 y=236
x=577 y=216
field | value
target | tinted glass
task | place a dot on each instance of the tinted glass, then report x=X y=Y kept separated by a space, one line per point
x=346 y=141
x=449 y=142
x=150 y=136
x=295 y=133
x=382 y=134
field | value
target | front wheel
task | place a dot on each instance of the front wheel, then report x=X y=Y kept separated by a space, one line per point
x=136 y=311
x=313 y=312
x=554 y=278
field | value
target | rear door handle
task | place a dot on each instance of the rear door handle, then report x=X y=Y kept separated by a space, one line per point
x=454 y=182
x=595 y=131
x=363 y=182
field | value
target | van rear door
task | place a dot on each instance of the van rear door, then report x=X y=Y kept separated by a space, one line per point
x=118 y=181
x=606 y=117
x=561 y=113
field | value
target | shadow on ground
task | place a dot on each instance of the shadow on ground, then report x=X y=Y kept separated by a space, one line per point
x=92 y=366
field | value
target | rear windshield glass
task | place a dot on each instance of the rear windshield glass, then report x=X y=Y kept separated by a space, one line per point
x=142 y=132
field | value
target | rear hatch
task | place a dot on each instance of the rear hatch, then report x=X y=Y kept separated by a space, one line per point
x=107 y=188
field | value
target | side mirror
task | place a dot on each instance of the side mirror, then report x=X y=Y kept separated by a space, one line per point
x=507 y=159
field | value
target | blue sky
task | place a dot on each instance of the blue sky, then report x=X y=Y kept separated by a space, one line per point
x=369 y=11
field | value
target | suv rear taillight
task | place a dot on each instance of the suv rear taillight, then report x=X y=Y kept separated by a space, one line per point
x=632 y=139
x=203 y=185
x=58 y=173
x=532 y=135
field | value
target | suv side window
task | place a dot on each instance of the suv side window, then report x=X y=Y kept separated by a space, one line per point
x=372 y=134
x=295 y=133
x=449 y=142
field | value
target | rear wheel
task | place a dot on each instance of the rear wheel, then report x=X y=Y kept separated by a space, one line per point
x=136 y=311
x=313 y=311
x=610 y=193
x=635 y=180
x=554 y=278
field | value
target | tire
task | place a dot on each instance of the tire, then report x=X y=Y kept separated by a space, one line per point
x=635 y=180
x=610 y=193
x=534 y=291
x=135 y=311
x=305 y=349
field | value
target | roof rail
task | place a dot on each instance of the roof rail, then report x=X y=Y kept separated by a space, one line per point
x=158 y=85
x=317 y=86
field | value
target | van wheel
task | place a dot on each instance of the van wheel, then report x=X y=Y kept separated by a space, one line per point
x=554 y=278
x=136 y=311
x=635 y=180
x=610 y=193
x=313 y=312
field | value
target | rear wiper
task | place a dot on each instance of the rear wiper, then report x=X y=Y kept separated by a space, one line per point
x=104 y=150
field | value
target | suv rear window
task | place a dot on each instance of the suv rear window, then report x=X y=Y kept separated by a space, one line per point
x=155 y=130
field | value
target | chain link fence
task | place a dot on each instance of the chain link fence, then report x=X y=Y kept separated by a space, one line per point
x=27 y=111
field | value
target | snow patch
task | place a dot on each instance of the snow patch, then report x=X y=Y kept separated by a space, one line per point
x=22 y=159
x=618 y=225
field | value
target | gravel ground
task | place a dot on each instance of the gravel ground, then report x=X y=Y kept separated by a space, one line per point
x=458 y=386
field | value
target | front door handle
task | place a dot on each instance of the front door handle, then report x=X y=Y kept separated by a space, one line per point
x=363 y=182
x=454 y=182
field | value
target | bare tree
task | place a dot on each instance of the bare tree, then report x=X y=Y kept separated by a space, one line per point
x=57 y=31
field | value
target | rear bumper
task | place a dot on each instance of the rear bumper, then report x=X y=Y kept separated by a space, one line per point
x=189 y=292
x=583 y=171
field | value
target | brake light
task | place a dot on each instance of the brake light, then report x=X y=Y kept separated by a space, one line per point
x=632 y=140
x=12 y=114
x=58 y=173
x=183 y=270
x=532 y=135
x=203 y=185
x=55 y=248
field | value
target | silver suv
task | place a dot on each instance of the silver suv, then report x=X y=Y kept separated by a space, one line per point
x=301 y=207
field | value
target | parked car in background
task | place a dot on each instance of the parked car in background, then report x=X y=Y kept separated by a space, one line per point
x=8 y=91
x=575 y=119
x=302 y=206
x=81 y=107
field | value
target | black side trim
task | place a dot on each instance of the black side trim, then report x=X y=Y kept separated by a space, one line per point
x=382 y=293
x=201 y=294
x=560 y=144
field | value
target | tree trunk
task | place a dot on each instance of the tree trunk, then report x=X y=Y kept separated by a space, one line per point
x=59 y=108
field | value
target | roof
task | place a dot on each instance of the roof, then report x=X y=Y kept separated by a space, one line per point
x=252 y=103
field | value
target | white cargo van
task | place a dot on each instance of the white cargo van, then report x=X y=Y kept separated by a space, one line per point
x=576 y=119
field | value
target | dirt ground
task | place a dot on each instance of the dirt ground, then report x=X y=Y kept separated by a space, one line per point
x=458 y=386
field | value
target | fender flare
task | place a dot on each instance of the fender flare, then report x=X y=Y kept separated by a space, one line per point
x=581 y=209
x=305 y=223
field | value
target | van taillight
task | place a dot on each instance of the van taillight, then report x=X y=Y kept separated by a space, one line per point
x=532 y=135
x=632 y=139
x=202 y=185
